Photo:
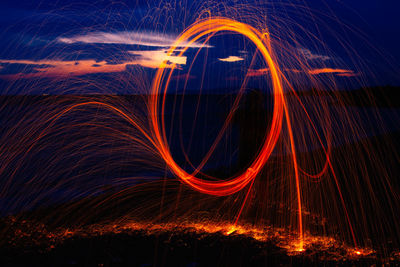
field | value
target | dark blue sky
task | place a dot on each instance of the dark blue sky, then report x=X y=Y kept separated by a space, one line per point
x=358 y=40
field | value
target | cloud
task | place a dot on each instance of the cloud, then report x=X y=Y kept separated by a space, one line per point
x=340 y=72
x=59 y=68
x=231 y=59
x=348 y=74
x=257 y=72
x=129 y=38
x=154 y=58
x=310 y=56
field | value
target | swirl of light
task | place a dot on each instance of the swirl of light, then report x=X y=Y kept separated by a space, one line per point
x=160 y=86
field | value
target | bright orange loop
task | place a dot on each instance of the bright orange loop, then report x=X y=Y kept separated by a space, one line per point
x=162 y=79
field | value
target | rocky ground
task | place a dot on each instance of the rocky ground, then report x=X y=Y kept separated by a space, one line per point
x=135 y=247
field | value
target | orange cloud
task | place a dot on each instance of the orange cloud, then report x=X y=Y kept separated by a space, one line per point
x=60 y=68
x=57 y=68
x=349 y=74
x=154 y=58
x=257 y=72
x=340 y=72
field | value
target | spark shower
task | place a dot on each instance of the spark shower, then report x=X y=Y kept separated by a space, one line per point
x=312 y=177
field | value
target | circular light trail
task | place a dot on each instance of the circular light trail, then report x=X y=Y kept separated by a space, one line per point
x=159 y=90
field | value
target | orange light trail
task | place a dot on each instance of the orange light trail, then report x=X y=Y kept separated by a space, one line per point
x=236 y=183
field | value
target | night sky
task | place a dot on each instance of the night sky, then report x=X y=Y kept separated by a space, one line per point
x=357 y=40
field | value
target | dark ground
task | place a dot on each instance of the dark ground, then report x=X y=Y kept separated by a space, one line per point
x=164 y=248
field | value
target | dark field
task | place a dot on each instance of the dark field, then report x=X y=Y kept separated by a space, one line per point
x=179 y=247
